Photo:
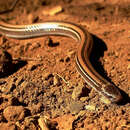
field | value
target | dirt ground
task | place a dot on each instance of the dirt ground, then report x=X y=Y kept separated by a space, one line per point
x=44 y=91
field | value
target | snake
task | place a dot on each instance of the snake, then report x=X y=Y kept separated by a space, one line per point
x=61 y=28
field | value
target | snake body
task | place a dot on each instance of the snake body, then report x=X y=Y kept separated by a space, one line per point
x=83 y=64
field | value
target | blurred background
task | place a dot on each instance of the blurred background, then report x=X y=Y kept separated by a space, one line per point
x=39 y=10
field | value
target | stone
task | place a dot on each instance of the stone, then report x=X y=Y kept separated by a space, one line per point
x=36 y=108
x=71 y=54
x=8 y=126
x=81 y=114
x=14 y=113
x=60 y=100
x=84 y=99
x=53 y=11
x=32 y=18
x=42 y=123
x=75 y=107
x=29 y=93
x=35 y=45
x=90 y=107
x=65 y=122
x=56 y=80
x=79 y=91
x=19 y=81
x=29 y=123
x=10 y=87
x=105 y=100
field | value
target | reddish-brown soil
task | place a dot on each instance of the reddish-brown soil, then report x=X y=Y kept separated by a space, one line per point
x=51 y=88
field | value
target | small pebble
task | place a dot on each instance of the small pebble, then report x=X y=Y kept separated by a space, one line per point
x=90 y=107
x=34 y=46
x=81 y=114
x=8 y=126
x=33 y=65
x=10 y=87
x=60 y=100
x=14 y=113
x=36 y=108
x=19 y=81
x=47 y=83
x=24 y=84
x=47 y=75
x=113 y=73
x=105 y=100
x=28 y=123
x=79 y=91
x=75 y=107
x=56 y=80
x=53 y=11
x=42 y=123
x=71 y=54
x=128 y=66
x=83 y=99
x=32 y=19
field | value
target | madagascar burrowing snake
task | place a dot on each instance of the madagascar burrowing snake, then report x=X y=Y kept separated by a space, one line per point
x=83 y=65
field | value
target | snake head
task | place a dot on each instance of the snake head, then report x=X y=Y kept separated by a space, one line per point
x=111 y=92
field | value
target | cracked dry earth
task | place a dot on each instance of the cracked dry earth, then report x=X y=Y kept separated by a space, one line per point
x=40 y=88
